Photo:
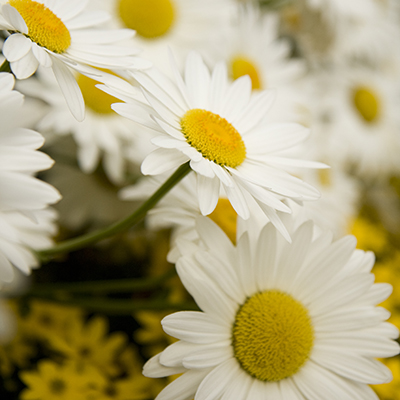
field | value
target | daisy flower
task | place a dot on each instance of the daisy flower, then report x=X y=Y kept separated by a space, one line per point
x=363 y=121
x=339 y=202
x=278 y=321
x=252 y=47
x=337 y=9
x=61 y=35
x=222 y=128
x=182 y=25
x=24 y=217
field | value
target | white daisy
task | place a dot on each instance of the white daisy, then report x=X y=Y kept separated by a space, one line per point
x=182 y=25
x=60 y=34
x=253 y=47
x=223 y=130
x=24 y=218
x=336 y=9
x=339 y=202
x=279 y=321
x=362 y=129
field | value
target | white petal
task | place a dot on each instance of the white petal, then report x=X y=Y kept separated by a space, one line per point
x=154 y=369
x=162 y=160
x=184 y=387
x=14 y=18
x=208 y=193
x=195 y=327
x=265 y=258
x=207 y=294
x=360 y=369
x=316 y=382
x=41 y=55
x=70 y=89
x=215 y=383
x=16 y=46
x=25 y=67
x=209 y=356
x=197 y=80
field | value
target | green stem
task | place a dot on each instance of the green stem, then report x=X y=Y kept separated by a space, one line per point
x=119 y=306
x=120 y=226
x=5 y=67
x=110 y=286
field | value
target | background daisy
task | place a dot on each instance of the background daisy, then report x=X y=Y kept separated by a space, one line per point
x=62 y=35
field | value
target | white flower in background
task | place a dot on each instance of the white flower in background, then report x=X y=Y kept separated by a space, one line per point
x=373 y=38
x=339 y=202
x=360 y=107
x=336 y=9
x=24 y=219
x=179 y=210
x=279 y=321
x=253 y=47
x=103 y=134
x=181 y=25
x=88 y=201
x=222 y=128
x=61 y=34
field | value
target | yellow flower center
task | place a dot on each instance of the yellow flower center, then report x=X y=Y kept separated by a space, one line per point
x=225 y=217
x=149 y=18
x=272 y=336
x=214 y=137
x=44 y=27
x=325 y=177
x=242 y=66
x=366 y=103
x=97 y=100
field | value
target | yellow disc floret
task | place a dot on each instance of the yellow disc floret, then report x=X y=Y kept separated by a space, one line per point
x=44 y=27
x=366 y=103
x=242 y=66
x=149 y=18
x=225 y=217
x=97 y=100
x=272 y=336
x=214 y=137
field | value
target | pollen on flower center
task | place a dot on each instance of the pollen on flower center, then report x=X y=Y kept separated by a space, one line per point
x=149 y=18
x=366 y=103
x=242 y=66
x=44 y=27
x=272 y=335
x=214 y=137
x=97 y=100
x=225 y=217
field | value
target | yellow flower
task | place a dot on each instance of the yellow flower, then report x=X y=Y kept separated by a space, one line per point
x=370 y=236
x=91 y=343
x=49 y=319
x=52 y=381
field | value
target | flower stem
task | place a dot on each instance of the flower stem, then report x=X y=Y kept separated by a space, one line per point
x=120 y=226
x=108 y=286
x=5 y=67
x=121 y=306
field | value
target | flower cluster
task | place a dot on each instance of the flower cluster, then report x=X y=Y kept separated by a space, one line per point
x=216 y=201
